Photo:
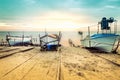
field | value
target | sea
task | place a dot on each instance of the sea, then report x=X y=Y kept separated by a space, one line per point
x=74 y=36
x=66 y=35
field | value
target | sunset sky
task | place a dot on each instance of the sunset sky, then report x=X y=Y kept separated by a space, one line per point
x=55 y=14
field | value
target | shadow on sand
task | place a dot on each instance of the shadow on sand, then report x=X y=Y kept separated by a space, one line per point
x=96 y=52
x=9 y=50
x=26 y=50
x=2 y=48
x=7 y=55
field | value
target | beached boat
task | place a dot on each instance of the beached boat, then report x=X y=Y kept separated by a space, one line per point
x=104 y=40
x=18 y=40
x=50 y=42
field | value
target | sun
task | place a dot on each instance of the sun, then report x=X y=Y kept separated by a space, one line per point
x=57 y=20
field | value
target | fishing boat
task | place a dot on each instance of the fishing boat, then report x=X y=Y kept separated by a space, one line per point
x=105 y=39
x=19 y=40
x=50 y=42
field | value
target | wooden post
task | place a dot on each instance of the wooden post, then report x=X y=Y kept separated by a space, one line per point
x=89 y=36
x=7 y=39
x=23 y=39
x=14 y=40
x=31 y=41
x=110 y=27
x=115 y=26
x=39 y=39
x=59 y=37
x=98 y=29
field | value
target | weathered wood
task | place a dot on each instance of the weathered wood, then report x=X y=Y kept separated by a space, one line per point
x=43 y=43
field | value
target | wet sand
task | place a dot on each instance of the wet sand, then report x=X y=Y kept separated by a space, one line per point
x=69 y=63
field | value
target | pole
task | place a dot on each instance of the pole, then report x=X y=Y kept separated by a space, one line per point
x=115 y=27
x=39 y=39
x=23 y=39
x=89 y=36
x=98 y=29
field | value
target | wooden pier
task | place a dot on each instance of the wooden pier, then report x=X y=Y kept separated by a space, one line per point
x=29 y=63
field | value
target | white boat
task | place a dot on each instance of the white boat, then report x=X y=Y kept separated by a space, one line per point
x=104 y=41
x=19 y=40
x=50 y=42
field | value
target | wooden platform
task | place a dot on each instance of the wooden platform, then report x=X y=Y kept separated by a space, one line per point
x=28 y=63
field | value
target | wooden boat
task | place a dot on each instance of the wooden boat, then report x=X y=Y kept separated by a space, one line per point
x=50 y=42
x=19 y=40
x=105 y=40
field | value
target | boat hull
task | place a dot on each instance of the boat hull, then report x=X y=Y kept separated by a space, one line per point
x=20 y=42
x=106 y=43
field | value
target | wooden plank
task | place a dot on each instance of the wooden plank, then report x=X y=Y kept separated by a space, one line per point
x=22 y=70
x=10 y=63
x=46 y=69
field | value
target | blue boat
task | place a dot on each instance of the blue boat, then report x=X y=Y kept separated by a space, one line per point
x=104 y=40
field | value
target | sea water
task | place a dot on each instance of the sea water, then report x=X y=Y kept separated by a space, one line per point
x=66 y=35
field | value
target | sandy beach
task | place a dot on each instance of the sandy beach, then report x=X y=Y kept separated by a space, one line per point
x=68 y=63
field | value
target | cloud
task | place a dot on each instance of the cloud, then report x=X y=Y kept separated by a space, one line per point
x=3 y=24
x=113 y=0
x=61 y=20
x=110 y=6
x=30 y=2
x=69 y=4
x=27 y=10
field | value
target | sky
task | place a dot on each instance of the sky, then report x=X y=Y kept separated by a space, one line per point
x=55 y=14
